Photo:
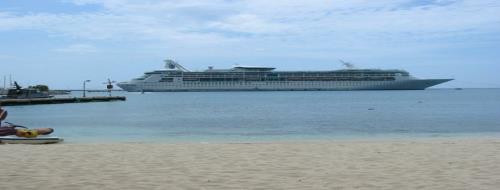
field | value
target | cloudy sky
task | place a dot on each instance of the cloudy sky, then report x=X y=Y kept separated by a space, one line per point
x=63 y=42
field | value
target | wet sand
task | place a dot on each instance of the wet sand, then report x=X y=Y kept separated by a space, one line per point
x=398 y=164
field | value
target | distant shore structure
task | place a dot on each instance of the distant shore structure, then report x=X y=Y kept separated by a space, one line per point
x=260 y=78
x=38 y=101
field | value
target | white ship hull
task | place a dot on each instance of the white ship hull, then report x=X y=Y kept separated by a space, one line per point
x=410 y=84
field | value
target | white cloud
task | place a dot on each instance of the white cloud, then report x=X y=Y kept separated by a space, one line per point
x=264 y=16
x=357 y=23
x=78 y=48
x=248 y=23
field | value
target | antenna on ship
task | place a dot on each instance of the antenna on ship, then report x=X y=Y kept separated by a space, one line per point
x=347 y=64
x=171 y=64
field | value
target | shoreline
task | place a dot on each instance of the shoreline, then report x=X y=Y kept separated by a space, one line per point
x=420 y=164
x=302 y=139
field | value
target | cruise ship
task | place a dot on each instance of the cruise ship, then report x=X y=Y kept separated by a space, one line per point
x=255 y=78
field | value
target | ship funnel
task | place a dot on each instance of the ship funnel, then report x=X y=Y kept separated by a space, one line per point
x=171 y=64
x=347 y=64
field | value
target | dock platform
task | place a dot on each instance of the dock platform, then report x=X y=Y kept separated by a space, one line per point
x=34 y=101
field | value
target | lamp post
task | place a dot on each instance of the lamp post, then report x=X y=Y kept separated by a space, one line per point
x=85 y=81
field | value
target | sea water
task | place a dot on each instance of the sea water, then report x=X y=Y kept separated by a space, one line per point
x=269 y=116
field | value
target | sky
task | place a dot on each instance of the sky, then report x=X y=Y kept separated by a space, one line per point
x=64 y=42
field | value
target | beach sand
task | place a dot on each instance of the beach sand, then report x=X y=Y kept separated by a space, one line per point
x=398 y=164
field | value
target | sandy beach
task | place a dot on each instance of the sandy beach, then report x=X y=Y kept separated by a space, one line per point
x=418 y=164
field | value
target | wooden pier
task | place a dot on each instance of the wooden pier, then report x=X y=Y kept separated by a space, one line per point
x=34 y=101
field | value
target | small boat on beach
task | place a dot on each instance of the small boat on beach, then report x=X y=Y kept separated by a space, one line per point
x=24 y=140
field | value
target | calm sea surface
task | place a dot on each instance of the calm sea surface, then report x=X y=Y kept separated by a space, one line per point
x=270 y=116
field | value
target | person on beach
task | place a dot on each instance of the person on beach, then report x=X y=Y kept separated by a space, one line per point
x=7 y=129
x=3 y=115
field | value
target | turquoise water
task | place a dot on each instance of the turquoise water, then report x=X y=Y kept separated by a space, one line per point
x=270 y=116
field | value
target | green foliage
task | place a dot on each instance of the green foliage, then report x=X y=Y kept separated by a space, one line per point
x=41 y=88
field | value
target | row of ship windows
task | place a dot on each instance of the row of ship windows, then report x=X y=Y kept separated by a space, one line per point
x=278 y=79
x=198 y=74
x=284 y=76
x=218 y=84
